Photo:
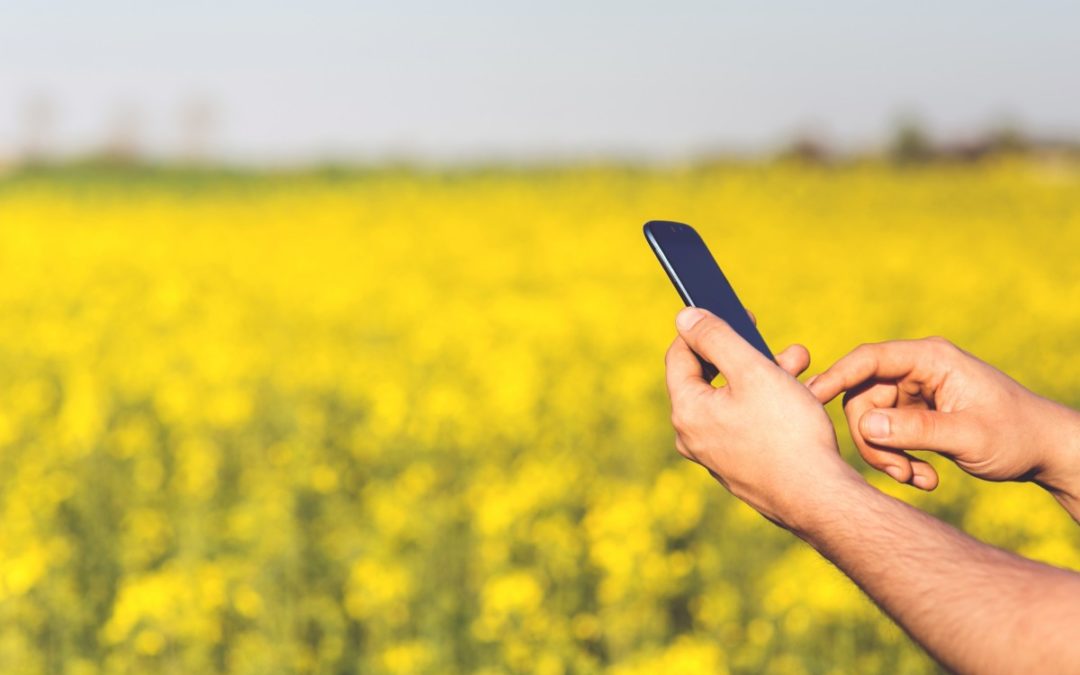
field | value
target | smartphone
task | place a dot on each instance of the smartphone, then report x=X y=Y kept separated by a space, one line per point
x=700 y=283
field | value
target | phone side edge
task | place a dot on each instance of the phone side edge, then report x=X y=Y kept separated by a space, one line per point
x=658 y=251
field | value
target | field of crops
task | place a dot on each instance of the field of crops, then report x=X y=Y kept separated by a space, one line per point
x=415 y=422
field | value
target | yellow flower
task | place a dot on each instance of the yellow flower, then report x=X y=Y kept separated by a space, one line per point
x=408 y=421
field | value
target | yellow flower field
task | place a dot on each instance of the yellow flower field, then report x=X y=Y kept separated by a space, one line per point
x=406 y=422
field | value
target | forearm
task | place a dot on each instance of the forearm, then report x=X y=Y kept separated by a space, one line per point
x=975 y=608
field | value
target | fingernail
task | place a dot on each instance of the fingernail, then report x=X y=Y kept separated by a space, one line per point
x=921 y=482
x=877 y=425
x=895 y=472
x=688 y=317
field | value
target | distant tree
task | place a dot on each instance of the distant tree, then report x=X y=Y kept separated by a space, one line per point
x=38 y=119
x=121 y=144
x=197 y=120
x=910 y=144
x=807 y=148
x=1007 y=139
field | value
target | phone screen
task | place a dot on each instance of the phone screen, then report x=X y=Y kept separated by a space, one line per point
x=698 y=279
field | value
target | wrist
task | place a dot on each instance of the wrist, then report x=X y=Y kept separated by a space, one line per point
x=834 y=493
x=1059 y=472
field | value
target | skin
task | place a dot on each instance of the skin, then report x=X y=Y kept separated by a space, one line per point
x=767 y=439
x=931 y=395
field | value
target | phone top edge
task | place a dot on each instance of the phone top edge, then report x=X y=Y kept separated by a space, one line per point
x=658 y=251
x=653 y=225
x=654 y=232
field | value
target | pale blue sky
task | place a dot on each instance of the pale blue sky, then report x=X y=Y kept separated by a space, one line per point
x=295 y=81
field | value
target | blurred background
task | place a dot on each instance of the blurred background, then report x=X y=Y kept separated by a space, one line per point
x=276 y=83
x=329 y=342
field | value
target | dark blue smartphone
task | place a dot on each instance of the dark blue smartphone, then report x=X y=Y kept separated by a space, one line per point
x=700 y=283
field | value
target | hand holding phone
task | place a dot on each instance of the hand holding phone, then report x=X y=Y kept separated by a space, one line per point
x=700 y=283
x=763 y=433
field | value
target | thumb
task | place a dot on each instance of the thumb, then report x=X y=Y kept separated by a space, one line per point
x=717 y=342
x=917 y=429
x=795 y=360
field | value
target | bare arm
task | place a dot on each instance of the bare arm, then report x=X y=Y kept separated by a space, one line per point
x=975 y=608
x=767 y=439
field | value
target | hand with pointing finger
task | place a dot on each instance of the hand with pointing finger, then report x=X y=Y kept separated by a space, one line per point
x=763 y=435
x=930 y=395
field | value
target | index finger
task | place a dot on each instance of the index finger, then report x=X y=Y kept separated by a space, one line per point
x=884 y=360
x=684 y=373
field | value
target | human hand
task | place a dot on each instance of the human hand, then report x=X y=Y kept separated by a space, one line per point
x=931 y=395
x=763 y=435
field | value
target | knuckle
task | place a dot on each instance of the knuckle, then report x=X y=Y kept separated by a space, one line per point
x=681 y=448
x=926 y=426
x=669 y=355
x=865 y=352
x=940 y=345
x=680 y=419
x=874 y=459
x=688 y=413
x=870 y=455
x=677 y=420
x=707 y=331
